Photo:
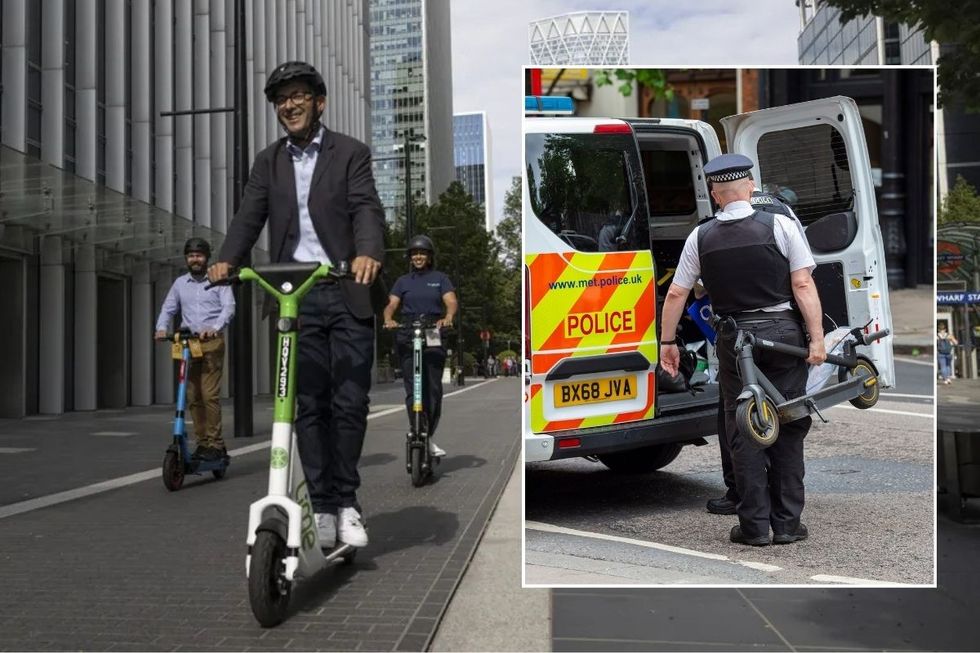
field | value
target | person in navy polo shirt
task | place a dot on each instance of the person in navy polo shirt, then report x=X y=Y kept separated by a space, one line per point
x=423 y=292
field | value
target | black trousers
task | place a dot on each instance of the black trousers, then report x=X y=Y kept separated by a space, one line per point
x=725 y=447
x=336 y=352
x=433 y=362
x=769 y=481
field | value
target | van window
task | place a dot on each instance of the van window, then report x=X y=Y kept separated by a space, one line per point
x=807 y=167
x=585 y=187
x=670 y=185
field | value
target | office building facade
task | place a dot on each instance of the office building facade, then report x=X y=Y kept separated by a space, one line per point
x=471 y=156
x=411 y=100
x=100 y=190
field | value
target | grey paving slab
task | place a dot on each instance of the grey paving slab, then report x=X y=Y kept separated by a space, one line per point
x=139 y=567
x=677 y=616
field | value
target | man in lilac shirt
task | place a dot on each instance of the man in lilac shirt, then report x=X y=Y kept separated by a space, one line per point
x=206 y=312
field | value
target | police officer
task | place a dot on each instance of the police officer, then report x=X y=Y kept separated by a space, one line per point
x=205 y=312
x=726 y=504
x=753 y=265
x=423 y=292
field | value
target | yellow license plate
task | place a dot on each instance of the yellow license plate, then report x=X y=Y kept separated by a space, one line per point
x=576 y=393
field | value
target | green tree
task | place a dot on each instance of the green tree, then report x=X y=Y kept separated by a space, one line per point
x=651 y=78
x=949 y=23
x=961 y=204
x=509 y=228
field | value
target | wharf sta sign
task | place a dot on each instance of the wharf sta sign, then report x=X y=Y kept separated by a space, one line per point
x=962 y=297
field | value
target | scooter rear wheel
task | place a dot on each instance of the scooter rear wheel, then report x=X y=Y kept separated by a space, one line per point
x=268 y=589
x=415 y=462
x=173 y=471
x=761 y=427
x=869 y=397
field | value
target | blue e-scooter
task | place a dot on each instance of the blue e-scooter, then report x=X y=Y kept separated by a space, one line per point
x=178 y=461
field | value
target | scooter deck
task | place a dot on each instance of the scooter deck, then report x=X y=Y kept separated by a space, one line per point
x=337 y=552
x=832 y=395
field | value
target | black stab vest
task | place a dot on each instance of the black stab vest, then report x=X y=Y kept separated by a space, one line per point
x=741 y=266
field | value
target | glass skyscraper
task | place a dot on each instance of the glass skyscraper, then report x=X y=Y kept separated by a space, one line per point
x=471 y=155
x=411 y=100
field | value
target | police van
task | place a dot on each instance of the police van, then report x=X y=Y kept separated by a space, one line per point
x=607 y=207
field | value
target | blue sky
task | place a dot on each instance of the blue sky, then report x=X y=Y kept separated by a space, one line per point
x=489 y=45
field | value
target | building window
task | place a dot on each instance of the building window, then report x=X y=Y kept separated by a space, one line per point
x=893 y=44
x=70 y=56
x=100 y=92
x=34 y=50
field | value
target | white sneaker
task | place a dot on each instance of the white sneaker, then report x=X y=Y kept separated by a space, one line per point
x=350 y=530
x=435 y=450
x=326 y=529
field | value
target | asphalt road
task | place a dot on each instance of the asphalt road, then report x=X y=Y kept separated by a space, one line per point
x=870 y=509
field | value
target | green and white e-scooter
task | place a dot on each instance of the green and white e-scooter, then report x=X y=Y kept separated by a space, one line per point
x=283 y=546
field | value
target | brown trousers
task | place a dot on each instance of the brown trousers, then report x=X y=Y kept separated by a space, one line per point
x=204 y=393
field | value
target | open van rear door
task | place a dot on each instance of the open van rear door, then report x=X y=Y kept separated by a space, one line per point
x=814 y=155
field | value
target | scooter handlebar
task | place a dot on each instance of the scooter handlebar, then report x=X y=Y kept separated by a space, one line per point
x=871 y=337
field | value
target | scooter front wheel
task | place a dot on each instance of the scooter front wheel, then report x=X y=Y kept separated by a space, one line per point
x=415 y=463
x=268 y=589
x=869 y=395
x=173 y=471
x=760 y=426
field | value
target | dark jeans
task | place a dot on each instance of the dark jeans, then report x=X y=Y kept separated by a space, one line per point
x=336 y=352
x=433 y=362
x=769 y=481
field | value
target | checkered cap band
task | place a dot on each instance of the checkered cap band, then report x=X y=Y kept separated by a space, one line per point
x=729 y=176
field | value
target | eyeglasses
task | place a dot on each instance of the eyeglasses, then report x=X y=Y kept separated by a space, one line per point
x=298 y=98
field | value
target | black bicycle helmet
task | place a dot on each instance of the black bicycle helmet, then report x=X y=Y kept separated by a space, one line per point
x=422 y=242
x=199 y=245
x=292 y=70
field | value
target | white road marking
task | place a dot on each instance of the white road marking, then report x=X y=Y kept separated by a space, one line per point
x=115 y=434
x=761 y=566
x=549 y=528
x=905 y=396
x=16 y=449
x=930 y=363
x=886 y=411
x=848 y=580
x=112 y=484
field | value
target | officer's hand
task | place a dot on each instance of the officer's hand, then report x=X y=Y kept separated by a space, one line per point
x=160 y=335
x=445 y=323
x=365 y=269
x=391 y=324
x=207 y=334
x=818 y=353
x=218 y=271
x=670 y=358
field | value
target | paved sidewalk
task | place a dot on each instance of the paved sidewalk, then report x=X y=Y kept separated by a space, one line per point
x=913 y=313
x=136 y=567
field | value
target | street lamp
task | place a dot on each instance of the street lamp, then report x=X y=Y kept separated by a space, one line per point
x=461 y=377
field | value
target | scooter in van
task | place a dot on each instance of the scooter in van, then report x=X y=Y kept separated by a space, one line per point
x=760 y=408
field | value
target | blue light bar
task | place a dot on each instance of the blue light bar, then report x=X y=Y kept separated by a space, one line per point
x=539 y=105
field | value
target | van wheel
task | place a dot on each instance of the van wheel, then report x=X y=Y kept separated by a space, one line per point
x=641 y=461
